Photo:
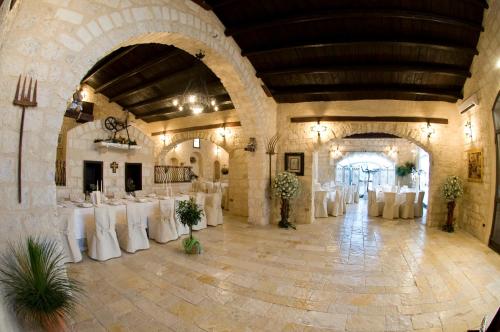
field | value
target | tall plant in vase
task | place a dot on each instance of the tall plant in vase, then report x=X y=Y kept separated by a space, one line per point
x=189 y=214
x=286 y=186
x=451 y=191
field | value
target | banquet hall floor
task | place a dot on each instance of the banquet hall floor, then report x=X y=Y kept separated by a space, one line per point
x=350 y=273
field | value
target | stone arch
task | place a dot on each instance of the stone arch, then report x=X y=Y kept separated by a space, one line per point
x=409 y=131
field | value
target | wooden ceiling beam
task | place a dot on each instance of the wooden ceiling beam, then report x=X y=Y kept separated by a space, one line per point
x=225 y=105
x=203 y=4
x=364 y=44
x=332 y=90
x=330 y=118
x=326 y=15
x=221 y=94
x=137 y=70
x=116 y=58
x=205 y=127
x=191 y=71
x=402 y=68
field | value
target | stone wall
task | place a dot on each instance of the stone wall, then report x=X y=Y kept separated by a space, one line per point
x=442 y=146
x=81 y=147
x=478 y=201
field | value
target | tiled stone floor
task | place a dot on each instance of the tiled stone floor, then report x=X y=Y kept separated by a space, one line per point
x=348 y=273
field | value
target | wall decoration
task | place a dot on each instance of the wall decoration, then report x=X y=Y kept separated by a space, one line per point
x=294 y=163
x=475 y=165
x=114 y=166
x=192 y=160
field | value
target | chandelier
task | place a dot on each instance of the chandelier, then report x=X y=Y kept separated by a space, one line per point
x=196 y=97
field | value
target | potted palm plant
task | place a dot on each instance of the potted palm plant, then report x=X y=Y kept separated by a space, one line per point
x=36 y=285
x=189 y=213
x=286 y=187
x=451 y=191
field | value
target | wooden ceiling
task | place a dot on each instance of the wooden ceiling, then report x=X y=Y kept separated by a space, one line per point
x=315 y=50
x=145 y=79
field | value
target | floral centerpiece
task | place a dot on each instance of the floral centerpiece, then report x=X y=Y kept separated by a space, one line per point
x=286 y=186
x=451 y=191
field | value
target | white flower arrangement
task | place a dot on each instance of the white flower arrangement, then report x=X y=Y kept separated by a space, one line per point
x=286 y=185
x=452 y=188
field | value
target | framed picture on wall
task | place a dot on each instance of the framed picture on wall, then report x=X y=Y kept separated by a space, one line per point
x=294 y=163
x=475 y=165
x=196 y=143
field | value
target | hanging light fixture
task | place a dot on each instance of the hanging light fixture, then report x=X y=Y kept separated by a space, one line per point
x=428 y=130
x=196 y=97
x=223 y=131
x=318 y=128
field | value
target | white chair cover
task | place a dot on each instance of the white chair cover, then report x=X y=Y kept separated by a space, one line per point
x=375 y=207
x=162 y=228
x=419 y=205
x=333 y=203
x=344 y=199
x=356 y=193
x=320 y=204
x=181 y=229
x=349 y=195
x=71 y=249
x=132 y=235
x=200 y=201
x=391 y=207
x=101 y=235
x=407 y=209
x=213 y=209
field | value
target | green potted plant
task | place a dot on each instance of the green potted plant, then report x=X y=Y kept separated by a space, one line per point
x=451 y=191
x=36 y=285
x=189 y=213
x=286 y=187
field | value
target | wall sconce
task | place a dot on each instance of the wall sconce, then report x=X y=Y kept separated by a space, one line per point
x=468 y=130
x=224 y=132
x=392 y=151
x=336 y=154
x=318 y=128
x=428 y=130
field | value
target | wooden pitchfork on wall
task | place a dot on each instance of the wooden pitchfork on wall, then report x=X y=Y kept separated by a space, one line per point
x=24 y=100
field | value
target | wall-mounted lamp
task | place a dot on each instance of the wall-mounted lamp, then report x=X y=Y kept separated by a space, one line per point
x=336 y=154
x=318 y=128
x=468 y=130
x=392 y=151
x=224 y=132
x=428 y=130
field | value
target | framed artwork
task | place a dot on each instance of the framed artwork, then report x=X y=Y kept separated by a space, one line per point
x=196 y=143
x=475 y=165
x=294 y=163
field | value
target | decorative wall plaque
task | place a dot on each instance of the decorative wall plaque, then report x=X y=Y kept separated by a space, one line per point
x=114 y=166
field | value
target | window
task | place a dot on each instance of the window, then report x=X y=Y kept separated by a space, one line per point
x=196 y=143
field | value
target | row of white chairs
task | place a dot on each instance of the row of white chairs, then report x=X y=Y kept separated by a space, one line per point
x=391 y=208
x=105 y=236
x=334 y=202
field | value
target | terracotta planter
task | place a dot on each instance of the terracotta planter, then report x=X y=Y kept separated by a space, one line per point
x=59 y=325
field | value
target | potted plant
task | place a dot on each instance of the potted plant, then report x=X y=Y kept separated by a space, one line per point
x=451 y=191
x=189 y=213
x=36 y=285
x=286 y=187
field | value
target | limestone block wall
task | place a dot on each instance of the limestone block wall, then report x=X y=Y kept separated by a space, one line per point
x=442 y=146
x=81 y=147
x=478 y=201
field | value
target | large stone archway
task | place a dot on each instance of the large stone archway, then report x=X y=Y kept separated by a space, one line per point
x=60 y=42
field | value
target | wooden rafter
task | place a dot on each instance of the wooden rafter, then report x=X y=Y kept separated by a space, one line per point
x=405 y=68
x=116 y=58
x=368 y=119
x=364 y=44
x=351 y=13
x=184 y=72
x=148 y=65
x=211 y=126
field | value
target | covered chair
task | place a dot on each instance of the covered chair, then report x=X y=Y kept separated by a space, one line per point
x=375 y=208
x=407 y=209
x=213 y=209
x=132 y=234
x=200 y=201
x=333 y=204
x=419 y=205
x=356 y=193
x=320 y=204
x=181 y=229
x=162 y=228
x=391 y=207
x=71 y=249
x=101 y=235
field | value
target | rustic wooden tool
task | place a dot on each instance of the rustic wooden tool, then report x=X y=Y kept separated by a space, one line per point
x=271 y=150
x=24 y=100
